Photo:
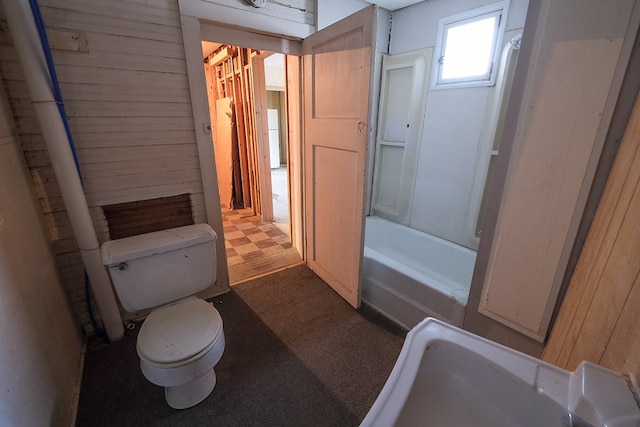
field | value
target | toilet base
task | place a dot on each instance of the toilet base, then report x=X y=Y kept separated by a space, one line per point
x=190 y=394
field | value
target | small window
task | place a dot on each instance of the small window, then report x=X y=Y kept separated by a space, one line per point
x=467 y=47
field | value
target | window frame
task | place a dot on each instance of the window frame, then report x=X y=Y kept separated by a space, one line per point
x=498 y=9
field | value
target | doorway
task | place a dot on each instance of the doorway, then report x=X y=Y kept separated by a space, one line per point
x=315 y=211
x=246 y=90
x=275 y=84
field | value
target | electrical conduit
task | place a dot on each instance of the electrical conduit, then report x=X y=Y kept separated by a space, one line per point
x=32 y=59
x=44 y=42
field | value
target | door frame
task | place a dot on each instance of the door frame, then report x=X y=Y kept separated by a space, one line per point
x=194 y=30
x=262 y=131
x=200 y=22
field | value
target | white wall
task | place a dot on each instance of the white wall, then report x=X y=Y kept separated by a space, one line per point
x=452 y=126
x=330 y=11
x=41 y=348
x=415 y=27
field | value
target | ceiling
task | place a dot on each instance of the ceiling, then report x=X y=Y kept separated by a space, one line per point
x=393 y=4
x=209 y=47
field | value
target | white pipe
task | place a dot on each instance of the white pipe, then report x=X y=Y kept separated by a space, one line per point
x=27 y=43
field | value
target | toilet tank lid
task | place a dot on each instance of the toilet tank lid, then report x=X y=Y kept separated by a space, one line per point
x=143 y=245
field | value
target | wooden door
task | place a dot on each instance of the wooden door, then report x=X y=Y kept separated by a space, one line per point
x=337 y=67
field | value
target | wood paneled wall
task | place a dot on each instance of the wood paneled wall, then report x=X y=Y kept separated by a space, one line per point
x=599 y=317
x=129 y=106
x=146 y=216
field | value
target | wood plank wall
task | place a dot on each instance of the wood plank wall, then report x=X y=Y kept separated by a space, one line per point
x=129 y=110
x=129 y=107
x=146 y=216
x=599 y=317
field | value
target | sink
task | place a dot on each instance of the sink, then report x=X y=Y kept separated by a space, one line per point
x=445 y=376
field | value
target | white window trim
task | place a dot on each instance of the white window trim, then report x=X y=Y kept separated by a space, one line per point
x=500 y=8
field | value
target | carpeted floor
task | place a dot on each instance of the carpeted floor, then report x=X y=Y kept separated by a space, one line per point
x=296 y=355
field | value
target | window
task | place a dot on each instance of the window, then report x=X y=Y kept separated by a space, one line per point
x=467 y=47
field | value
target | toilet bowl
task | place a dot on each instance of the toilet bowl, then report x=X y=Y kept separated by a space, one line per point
x=182 y=338
x=178 y=346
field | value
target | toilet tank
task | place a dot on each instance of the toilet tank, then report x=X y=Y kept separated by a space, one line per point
x=157 y=268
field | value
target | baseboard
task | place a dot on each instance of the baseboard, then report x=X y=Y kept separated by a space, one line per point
x=76 y=393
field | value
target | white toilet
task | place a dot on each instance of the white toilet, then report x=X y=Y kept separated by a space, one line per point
x=181 y=340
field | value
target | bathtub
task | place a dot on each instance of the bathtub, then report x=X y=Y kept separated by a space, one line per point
x=445 y=376
x=409 y=275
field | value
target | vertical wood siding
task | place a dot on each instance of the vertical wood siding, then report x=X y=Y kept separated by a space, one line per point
x=598 y=319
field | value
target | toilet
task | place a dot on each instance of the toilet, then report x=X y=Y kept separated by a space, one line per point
x=182 y=339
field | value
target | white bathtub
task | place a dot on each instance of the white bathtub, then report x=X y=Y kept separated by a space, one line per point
x=409 y=275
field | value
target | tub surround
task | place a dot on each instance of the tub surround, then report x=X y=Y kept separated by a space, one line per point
x=447 y=156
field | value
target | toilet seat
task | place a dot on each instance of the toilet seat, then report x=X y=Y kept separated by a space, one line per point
x=179 y=333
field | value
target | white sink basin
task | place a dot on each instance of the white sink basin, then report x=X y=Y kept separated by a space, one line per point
x=445 y=376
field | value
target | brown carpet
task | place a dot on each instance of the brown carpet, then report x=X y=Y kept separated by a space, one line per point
x=296 y=355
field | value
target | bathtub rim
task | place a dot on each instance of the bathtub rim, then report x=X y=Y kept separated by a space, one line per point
x=404 y=292
x=436 y=282
x=449 y=243
x=379 y=253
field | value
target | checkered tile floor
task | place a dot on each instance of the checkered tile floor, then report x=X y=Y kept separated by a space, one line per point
x=247 y=238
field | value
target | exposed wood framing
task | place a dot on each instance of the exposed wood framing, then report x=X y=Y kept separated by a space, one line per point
x=229 y=73
x=146 y=216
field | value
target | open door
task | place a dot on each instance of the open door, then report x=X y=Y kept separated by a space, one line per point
x=337 y=66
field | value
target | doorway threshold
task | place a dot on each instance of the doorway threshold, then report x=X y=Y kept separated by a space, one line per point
x=255 y=248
